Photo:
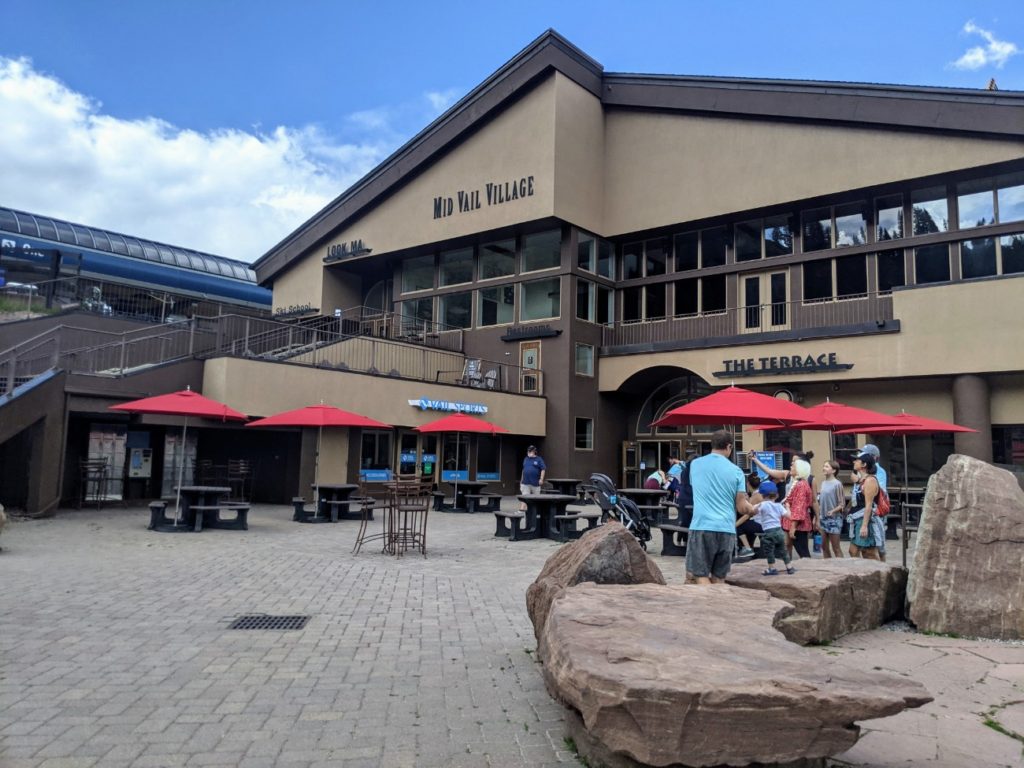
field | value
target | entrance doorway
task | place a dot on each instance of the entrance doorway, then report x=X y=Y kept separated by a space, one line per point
x=765 y=298
x=417 y=455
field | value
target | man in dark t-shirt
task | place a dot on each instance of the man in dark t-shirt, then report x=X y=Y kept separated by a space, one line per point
x=532 y=479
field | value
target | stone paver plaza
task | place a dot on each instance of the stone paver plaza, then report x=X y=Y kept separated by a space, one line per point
x=115 y=651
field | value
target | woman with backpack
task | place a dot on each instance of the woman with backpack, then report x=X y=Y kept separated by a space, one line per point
x=867 y=494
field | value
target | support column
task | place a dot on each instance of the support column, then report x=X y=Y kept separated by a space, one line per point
x=972 y=408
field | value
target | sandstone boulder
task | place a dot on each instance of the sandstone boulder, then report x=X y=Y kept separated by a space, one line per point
x=968 y=571
x=699 y=676
x=832 y=597
x=608 y=554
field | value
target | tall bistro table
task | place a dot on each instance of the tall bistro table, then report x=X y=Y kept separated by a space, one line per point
x=333 y=503
x=541 y=511
x=200 y=496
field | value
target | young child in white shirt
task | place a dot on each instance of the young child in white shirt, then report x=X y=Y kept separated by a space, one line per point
x=769 y=514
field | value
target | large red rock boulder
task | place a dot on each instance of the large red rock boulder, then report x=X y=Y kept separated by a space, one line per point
x=967 y=576
x=699 y=676
x=832 y=597
x=608 y=554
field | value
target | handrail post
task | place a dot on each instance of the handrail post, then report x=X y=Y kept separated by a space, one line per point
x=191 y=335
x=122 y=353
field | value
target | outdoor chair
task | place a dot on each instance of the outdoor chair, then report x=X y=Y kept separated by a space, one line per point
x=372 y=497
x=92 y=485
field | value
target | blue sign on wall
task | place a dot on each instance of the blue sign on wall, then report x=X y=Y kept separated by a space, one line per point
x=430 y=458
x=407 y=458
x=768 y=459
x=375 y=475
x=451 y=475
x=488 y=476
x=427 y=404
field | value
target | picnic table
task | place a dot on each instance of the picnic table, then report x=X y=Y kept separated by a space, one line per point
x=541 y=512
x=463 y=488
x=201 y=506
x=331 y=503
x=564 y=485
x=648 y=501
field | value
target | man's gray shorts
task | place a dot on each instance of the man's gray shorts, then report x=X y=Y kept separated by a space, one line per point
x=709 y=553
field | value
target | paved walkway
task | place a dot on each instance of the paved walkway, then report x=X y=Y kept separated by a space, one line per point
x=115 y=651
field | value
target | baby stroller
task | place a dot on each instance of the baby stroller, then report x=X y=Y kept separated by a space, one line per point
x=604 y=493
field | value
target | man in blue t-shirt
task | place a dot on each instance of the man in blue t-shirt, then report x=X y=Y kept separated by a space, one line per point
x=719 y=492
x=532 y=479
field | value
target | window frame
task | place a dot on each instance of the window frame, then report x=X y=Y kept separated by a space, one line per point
x=522 y=251
x=433 y=285
x=479 y=299
x=522 y=299
x=589 y=433
x=480 y=258
x=833 y=263
x=576 y=359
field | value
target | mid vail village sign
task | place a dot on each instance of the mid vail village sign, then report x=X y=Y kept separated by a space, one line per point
x=492 y=193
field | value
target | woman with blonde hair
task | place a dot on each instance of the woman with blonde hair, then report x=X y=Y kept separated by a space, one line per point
x=802 y=509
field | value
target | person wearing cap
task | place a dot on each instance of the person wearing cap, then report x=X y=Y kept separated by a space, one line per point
x=532 y=478
x=882 y=477
x=768 y=513
x=863 y=535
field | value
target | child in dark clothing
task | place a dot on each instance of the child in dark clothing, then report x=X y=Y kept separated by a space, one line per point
x=769 y=514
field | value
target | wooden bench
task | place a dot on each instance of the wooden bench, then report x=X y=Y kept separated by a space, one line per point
x=565 y=525
x=483 y=502
x=212 y=512
x=510 y=525
x=669 y=546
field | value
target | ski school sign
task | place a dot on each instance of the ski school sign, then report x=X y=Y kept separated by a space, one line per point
x=426 y=404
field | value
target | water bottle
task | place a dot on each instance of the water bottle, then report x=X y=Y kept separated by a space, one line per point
x=817 y=542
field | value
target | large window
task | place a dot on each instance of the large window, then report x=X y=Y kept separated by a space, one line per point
x=457 y=267
x=654 y=301
x=931 y=264
x=540 y=300
x=418 y=274
x=694 y=250
x=586 y=252
x=891 y=270
x=976 y=203
x=632 y=305
x=632 y=261
x=843 y=277
x=584 y=360
x=834 y=227
x=455 y=457
x=1010 y=197
x=584 y=434
x=417 y=313
x=594 y=303
x=696 y=296
x=656 y=256
x=497 y=259
x=496 y=306
x=488 y=457
x=763 y=238
x=929 y=211
x=889 y=218
x=455 y=310
x=376 y=450
x=988 y=256
x=542 y=251
x=605 y=259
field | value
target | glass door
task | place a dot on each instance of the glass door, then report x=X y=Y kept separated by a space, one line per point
x=428 y=457
x=764 y=300
x=529 y=362
x=408 y=453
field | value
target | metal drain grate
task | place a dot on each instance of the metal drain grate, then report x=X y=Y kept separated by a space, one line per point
x=263 y=621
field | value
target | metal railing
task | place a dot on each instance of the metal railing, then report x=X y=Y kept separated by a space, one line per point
x=363 y=320
x=315 y=343
x=763 y=318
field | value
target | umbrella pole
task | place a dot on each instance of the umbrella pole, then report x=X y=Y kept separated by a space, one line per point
x=906 y=474
x=181 y=472
x=316 y=472
x=456 y=499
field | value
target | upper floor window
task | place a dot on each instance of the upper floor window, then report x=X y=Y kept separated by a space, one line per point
x=700 y=296
x=455 y=310
x=497 y=259
x=594 y=303
x=542 y=251
x=496 y=306
x=889 y=217
x=929 y=210
x=834 y=227
x=987 y=201
x=988 y=256
x=1010 y=196
x=457 y=266
x=763 y=238
x=540 y=300
x=584 y=359
x=595 y=255
x=931 y=264
x=700 y=250
x=843 y=277
x=891 y=270
x=418 y=273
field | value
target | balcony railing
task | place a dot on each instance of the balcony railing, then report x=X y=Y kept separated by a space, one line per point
x=759 y=319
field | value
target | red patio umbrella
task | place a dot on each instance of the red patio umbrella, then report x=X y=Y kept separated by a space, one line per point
x=460 y=422
x=734 y=405
x=837 y=416
x=908 y=424
x=318 y=416
x=184 y=403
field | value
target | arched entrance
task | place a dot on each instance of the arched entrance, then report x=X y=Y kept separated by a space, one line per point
x=655 y=391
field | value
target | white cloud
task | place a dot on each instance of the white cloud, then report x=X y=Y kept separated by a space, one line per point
x=994 y=52
x=440 y=100
x=228 y=192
